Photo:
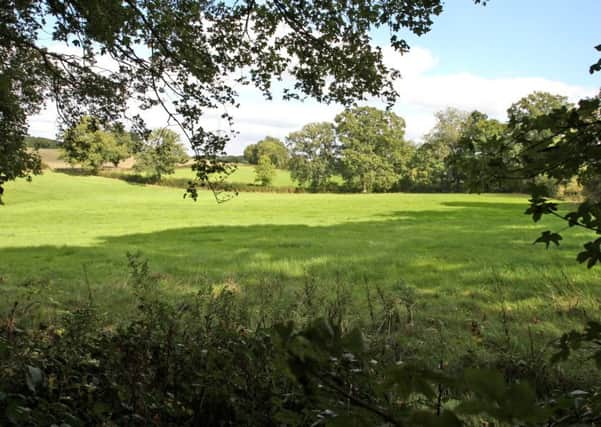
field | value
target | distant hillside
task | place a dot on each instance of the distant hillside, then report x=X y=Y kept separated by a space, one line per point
x=40 y=142
x=51 y=157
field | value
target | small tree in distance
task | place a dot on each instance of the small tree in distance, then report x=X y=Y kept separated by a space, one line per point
x=160 y=154
x=264 y=171
x=271 y=147
x=91 y=145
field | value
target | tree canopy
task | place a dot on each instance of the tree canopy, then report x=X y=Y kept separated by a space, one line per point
x=535 y=104
x=563 y=143
x=91 y=145
x=429 y=166
x=160 y=153
x=373 y=151
x=313 y=151
x=478 y=142
x=546 y=137
x=41 y=142
x=188 y=57
x=270 y=147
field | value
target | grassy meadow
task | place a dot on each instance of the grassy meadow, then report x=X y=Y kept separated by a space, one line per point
x=467 y=260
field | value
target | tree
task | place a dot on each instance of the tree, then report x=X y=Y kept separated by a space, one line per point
x=91 y=145
x=275 y=150
x=480 y=143
x=40 y=142
x=16 y=161
x=591 y=183
x=181 y=56
x=313 y=154
x=250 y=154
x=131 y=141
x=373 y=152
x=429 y=168
x=264 y=171
x=547 y=136
x=271 y=147
x=531 y=106
x=563 y=143
x=160 y=154
x=535 y=104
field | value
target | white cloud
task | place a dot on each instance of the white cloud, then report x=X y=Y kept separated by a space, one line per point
x=417 y=123
x=422 y=92
x=414 y=63
x=469 y=92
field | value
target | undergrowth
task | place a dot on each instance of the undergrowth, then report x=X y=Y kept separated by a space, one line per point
x=225 y=357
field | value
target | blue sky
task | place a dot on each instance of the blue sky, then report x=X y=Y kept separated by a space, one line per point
x=475 y=57
x=554 y=39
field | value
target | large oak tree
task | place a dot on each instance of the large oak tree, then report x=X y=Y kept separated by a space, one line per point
x=313 y=151
x=373 y=149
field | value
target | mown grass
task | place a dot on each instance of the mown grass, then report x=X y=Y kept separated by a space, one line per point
x=469 y=259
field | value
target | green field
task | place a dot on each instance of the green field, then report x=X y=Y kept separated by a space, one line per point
x=468 y=258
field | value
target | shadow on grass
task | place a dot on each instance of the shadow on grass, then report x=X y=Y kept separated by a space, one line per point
x=488 y=205
x=463 y=271
x=438 y=252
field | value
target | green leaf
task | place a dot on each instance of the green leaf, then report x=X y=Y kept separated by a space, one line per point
x=539 y=206
x=33 y=378
x=547 y=237
x=101 y=408
x=410 y=379
x=591 y=253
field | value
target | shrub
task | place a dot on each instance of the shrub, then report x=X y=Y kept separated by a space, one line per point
x=544 y=186
x=264 y=171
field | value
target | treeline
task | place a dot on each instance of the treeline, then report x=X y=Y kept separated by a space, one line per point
x=367 y=149
x=40 y=142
